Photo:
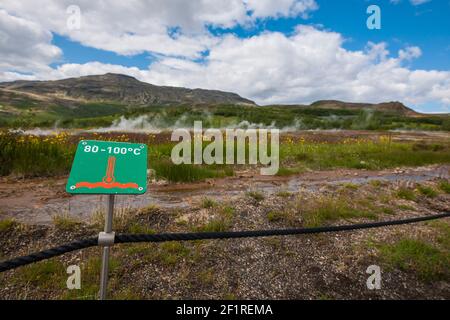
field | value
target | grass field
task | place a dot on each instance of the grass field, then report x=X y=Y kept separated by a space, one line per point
x=33 y=156
x=361 y=154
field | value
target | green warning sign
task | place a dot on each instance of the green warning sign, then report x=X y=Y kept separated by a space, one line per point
x=105 y=167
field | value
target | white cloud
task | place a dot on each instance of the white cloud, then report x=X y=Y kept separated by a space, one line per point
x=409 y=53
x=307 y=65
x=418 y=2
x=413 y=2
x=24 y=45
x=283 y=8
x=136 y=26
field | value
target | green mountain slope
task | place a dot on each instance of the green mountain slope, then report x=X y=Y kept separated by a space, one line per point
x=94 y=101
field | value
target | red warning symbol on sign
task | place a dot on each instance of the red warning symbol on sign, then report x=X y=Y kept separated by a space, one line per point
x=108 y=180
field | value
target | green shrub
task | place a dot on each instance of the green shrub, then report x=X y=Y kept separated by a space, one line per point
x=444 y=185
x=7 y=224
x=427 y=191
x=208 y=203
x=327 y=209
x=255 y=195
x=428 y=262
x=65 y=222
x=406 y=194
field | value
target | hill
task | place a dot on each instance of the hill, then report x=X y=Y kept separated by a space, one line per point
x=100 y=100
x=392 y=107
x=116 y=88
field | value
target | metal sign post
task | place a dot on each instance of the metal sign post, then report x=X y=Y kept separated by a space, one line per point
x=106 y=167
x=105 y=256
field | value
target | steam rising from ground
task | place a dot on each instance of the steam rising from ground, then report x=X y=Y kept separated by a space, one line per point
x=158 y=123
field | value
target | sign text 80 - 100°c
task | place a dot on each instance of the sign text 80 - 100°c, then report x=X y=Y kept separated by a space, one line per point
x=105 y=167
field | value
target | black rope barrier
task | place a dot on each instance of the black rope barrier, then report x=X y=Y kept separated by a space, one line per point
x=163 y=237
x=47 y=254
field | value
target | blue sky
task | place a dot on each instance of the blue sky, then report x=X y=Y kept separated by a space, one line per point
x=74 y=52
x=262 y=49
x=426 y=25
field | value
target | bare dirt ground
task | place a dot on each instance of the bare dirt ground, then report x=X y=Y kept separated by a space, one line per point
x=324 y=266
x=37 y=201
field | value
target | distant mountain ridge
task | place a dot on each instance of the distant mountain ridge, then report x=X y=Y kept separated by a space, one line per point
x=110 y=95
x=120 y=88
x=393 y=106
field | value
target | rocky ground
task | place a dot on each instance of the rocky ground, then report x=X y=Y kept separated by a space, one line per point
x=414 y=258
